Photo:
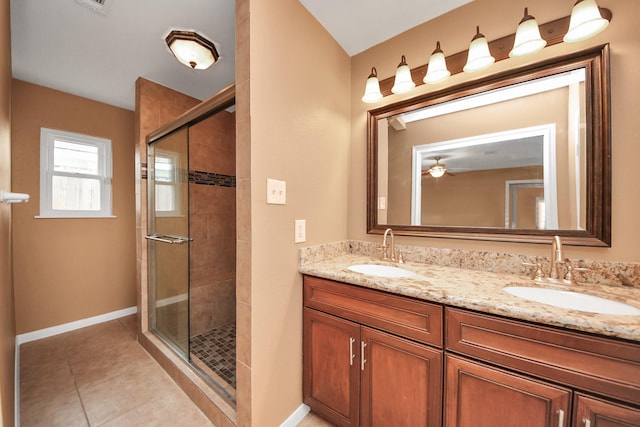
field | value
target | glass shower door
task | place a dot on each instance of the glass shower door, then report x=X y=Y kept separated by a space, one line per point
x=168 y=239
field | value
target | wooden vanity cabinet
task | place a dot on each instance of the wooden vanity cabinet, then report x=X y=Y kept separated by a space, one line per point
x=482 y=396
x=373 y=358
x=359 y=375
x=548 y=368
x=592 y=412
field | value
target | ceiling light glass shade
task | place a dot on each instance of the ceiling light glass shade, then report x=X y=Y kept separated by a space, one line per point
x=586 y=21
x=528 y=39
x=437 y=171
x=191 y=49
x=372 y=89
x=479 y=56
x=403 y=82
x=437 y=69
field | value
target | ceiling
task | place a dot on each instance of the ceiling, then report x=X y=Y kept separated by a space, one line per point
x=65 y=45
x=359 y=24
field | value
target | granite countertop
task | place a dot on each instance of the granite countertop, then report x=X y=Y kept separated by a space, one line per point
x=482 y=291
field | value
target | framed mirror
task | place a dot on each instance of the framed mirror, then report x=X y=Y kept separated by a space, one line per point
x=520 y=156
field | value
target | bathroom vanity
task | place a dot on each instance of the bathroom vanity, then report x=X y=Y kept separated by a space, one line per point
x=449 y=347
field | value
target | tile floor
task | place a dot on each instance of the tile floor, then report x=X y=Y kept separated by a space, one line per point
x=101 y=376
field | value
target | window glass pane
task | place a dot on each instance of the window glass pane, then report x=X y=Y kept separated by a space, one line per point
x=75 y=158
x=70 y=193
x=165 y=169
x=165 y=198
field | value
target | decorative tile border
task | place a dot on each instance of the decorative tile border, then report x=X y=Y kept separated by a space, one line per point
x=200 y=177
x=209 y=178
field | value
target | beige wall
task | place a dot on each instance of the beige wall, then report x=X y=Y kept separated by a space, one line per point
x=7 y=319
x=454 y=30
x=299 y=127
x=70 y=269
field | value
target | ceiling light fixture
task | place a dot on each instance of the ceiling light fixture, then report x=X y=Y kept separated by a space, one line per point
x=191 y=49
x=528 y=39
x=586 y=21
x=438 y=170
x=404 y=82
x=372 y=89
x=437 y=69
x=479 y=56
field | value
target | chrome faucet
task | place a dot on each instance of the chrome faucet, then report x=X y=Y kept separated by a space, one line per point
x=385 y=251
x=557 y=257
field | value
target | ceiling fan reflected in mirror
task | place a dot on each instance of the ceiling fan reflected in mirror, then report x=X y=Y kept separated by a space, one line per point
x=437 y=170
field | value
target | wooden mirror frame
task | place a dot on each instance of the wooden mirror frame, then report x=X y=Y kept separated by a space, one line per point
x=598 y=140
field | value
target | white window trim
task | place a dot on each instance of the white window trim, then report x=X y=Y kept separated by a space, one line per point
x=105 y=174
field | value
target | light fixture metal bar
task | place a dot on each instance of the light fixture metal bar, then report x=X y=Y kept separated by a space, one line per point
x=552 y=32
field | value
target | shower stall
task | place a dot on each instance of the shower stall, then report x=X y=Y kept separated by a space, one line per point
x=192 y=244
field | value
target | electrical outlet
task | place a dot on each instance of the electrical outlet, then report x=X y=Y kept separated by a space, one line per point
x=300 y=231
x=276 y=192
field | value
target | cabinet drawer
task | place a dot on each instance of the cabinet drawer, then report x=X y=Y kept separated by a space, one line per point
x=605 y=366
x=417 y=320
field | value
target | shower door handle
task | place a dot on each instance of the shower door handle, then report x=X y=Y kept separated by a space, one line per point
x=166 y=238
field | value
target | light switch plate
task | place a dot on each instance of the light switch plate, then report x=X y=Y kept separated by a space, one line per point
x=276 y=192
x=300 y=231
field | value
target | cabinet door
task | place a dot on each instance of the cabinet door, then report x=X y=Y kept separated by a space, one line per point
x=592 y=412
x=401 y=382
x=331 y=356
x=481 y=396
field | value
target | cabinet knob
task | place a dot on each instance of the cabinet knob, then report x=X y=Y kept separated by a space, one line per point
x=560 y=418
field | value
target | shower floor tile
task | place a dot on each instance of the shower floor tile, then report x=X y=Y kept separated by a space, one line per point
x=217 y=350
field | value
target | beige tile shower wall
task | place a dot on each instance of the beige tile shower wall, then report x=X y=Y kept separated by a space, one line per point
x=212 y=211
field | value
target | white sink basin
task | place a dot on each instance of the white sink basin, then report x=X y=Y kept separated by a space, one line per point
x=573 y=300
x=381 y=270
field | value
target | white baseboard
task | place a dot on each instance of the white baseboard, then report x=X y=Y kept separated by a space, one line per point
x=71 y=326
x=297 y=416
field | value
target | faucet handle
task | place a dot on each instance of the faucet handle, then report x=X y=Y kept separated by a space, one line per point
x=383 y=248
x=570 y=276
x=400 y=257
x=537 y=276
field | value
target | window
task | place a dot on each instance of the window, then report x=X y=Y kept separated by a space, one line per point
x=167 y=191
x=75 y=175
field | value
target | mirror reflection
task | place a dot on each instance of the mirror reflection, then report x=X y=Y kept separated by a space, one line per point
x=500 y=169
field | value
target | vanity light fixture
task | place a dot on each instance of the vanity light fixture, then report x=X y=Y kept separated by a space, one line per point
x=528 y=39
x=403 y=82
x=192 y=49
x=372 y=89
x=586 y=21
x=437 y=70
x=479 y=56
